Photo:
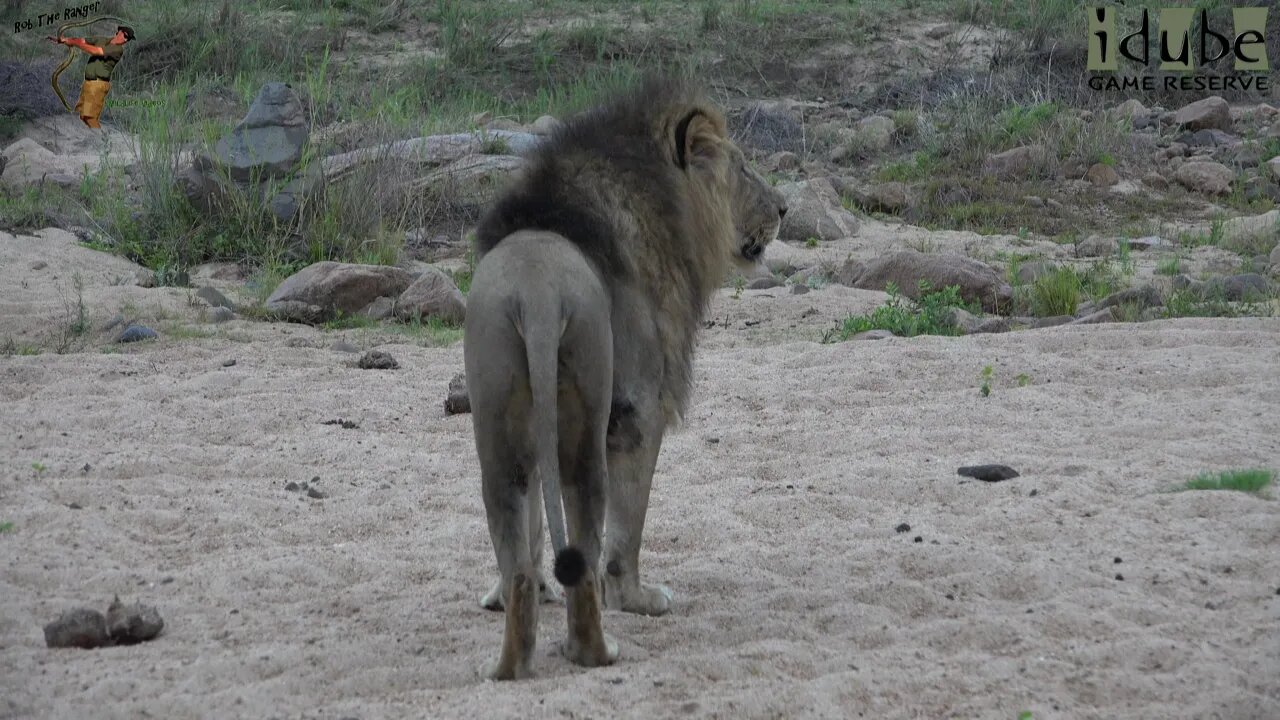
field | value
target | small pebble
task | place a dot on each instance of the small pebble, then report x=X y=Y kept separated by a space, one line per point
x=316 y=494
x=292 y=486
x=903 y=528
x=1119 y=576
x=229 y=363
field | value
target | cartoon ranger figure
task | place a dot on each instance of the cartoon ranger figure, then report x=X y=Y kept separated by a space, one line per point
x=104 y=53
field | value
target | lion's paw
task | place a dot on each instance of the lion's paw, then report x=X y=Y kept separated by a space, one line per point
x=639 y=598
x=494 y=670
x=605 y=653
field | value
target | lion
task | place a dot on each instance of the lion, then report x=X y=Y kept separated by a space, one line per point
x=594 y=270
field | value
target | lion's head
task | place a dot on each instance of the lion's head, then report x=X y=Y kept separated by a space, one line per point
x=758 y=209
x=723 y=181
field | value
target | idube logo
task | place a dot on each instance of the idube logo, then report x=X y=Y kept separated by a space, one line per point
x=1244 y=43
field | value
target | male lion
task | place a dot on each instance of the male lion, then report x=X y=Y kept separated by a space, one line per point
x=595 y=270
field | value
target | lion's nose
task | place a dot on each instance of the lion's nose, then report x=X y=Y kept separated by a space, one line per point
x=751 y=251
x=782 y=212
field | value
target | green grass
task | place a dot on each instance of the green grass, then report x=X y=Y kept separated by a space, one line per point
x=1252 y=480
x=1056 y=293
x=1169 y=266
x=930 y=315
x=919 y=166
x=6 y=527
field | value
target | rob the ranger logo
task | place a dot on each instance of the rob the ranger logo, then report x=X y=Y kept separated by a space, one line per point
x=1245 y=44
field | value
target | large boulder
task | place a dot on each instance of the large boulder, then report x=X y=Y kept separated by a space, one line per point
x=433 y=294
x=268 y=142
x=814 y=211
x=323 y=290
x=1211 y=112
x=978 y=282
x=1205 y=177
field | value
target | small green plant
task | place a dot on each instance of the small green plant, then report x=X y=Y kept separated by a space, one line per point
x=1056 y=293
x=494 y=145
x=988 y=373
x=1251 y=480
x=905 y=123
x=1124 y=252
x=1025 y=715
x=6 y=527
x=811 y=242
x=1023 y=379
x=931 y=314
x=739 y=284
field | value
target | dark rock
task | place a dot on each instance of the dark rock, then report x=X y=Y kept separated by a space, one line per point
x=377 y=360
x=81 y=628
x=764 y=283
x=799 y=289
x=131 y=624
x=1247 y=286
x=1209 y=137
x=268 y=142
x=988 y=473
x=457 y=401
x=902 y=528
x=134 y=333
x=316 y=494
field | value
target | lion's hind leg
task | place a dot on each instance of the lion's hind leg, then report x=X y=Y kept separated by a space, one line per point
x=583 y=424
x=500 y=410
x=505 y=482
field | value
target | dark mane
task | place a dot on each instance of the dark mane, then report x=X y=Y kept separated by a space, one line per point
x=616 y=140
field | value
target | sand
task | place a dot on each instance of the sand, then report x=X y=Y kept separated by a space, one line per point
x=1082 y=589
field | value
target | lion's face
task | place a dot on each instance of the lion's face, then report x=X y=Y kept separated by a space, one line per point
x=757 y=209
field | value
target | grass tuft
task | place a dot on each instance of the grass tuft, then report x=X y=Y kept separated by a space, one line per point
x=1251 y=480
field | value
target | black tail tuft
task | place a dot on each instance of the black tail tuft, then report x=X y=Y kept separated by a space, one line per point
x=570 y=566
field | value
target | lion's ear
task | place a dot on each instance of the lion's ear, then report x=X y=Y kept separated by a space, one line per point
x=697 y=136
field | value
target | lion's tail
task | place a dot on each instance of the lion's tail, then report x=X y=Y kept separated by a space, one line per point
x=542 y=350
